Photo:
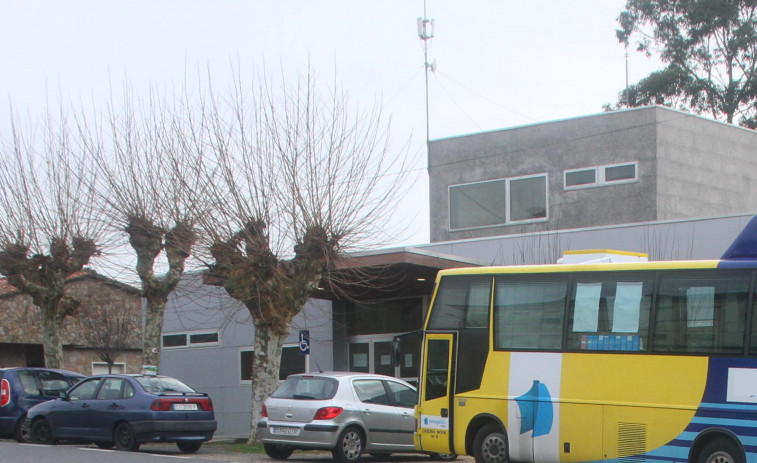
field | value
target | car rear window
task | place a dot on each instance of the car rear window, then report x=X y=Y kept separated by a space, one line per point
x=306 y=388
x=162 y=384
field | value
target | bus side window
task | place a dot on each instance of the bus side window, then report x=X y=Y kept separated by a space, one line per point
x=610 y=314
x=529 y=314
x=702 y=315
x=462 y=302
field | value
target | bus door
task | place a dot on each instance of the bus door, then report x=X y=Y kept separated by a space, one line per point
x=437 y=388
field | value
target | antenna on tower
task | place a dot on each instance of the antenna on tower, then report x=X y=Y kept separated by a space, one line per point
x=628 y=98
x=426 y=33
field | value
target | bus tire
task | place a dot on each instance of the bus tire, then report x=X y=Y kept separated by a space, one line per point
x=720 y=450
x=490 y=445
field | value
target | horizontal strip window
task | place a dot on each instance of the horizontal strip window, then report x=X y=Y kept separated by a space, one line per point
x=498 y=202
x=292 y=362
x=597 y=176
x=703 y=311
x=192 y=339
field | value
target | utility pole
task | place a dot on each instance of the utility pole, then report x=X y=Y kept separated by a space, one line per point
x=426 y=33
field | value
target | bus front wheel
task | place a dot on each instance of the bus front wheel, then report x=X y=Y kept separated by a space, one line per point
x=720 y=450
x=490 y=445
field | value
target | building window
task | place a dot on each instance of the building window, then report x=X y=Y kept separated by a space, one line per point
x=578 y=178
x=589 y=177
x=203 y=338
x=101 y=368
x=191 y=339
x=528 y=198
x=245 y=365
x=291 y=363
x=175 y=340
x=498 y=202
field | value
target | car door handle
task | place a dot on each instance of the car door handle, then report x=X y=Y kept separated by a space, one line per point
x=85 y=405
x=113 y=405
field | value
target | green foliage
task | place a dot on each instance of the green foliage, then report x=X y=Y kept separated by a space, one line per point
x=710 y=49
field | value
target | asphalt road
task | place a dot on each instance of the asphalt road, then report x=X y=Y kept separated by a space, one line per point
x=13 y=452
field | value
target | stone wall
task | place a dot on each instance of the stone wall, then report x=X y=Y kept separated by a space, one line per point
x=21 y=324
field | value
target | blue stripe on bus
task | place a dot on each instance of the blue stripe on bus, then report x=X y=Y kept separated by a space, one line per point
x=706 y=407
x=726 y=422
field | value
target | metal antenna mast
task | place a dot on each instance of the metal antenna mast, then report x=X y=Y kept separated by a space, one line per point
x=426 y=33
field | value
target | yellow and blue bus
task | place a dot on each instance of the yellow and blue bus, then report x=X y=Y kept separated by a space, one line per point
x=624 y=362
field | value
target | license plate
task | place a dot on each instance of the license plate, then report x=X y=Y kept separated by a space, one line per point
x=185 y=407
x=285 y=430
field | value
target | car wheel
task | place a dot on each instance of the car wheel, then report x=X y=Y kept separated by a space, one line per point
x=444 y=456
x=22 y=431
x=189 y=446
x=104 y=445
x=278 y=452
x=349 y=446
x=41 y=432
x=124 y=438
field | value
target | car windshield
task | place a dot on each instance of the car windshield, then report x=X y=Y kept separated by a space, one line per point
x=160 y=384
x=306 y=388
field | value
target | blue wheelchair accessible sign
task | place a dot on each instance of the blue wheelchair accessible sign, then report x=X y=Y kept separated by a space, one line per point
x=304 y=342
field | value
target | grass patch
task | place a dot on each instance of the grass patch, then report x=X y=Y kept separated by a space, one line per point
x=236 y=447
x=244 y=448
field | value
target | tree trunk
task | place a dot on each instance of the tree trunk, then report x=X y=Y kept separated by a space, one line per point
x=266 y=363
x=156 y=307
x=53 y=343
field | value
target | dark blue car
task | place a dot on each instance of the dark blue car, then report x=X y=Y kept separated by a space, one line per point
x=23 y=387
x=125 y=411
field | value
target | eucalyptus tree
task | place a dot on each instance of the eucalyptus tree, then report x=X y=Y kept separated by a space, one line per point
x=709 y=48
x=51 y=224
x=302 y=177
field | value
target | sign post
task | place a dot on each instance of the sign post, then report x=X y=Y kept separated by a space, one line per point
x=305 y=348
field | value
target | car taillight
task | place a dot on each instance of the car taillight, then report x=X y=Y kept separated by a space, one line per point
x=264 y=412
x=327 y=413
x=166 y=404
x=5 y=392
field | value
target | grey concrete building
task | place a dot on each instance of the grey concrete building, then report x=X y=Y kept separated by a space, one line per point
x=638 y=165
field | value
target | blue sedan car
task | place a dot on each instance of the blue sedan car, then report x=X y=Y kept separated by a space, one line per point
x=125 y=411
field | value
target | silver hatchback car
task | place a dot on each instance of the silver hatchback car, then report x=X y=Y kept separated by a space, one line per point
x=345 y=412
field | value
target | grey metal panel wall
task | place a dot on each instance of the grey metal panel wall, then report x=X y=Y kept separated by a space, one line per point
x=705 y=238
x=215 y=369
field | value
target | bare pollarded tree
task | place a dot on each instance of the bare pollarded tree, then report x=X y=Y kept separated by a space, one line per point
x=106 y=328
x=50 y=226
x=151 y=154
x=302 y=177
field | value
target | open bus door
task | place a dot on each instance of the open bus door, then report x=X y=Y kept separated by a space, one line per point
x=434 y=415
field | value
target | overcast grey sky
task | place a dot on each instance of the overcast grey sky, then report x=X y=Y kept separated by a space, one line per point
x=500 y=63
